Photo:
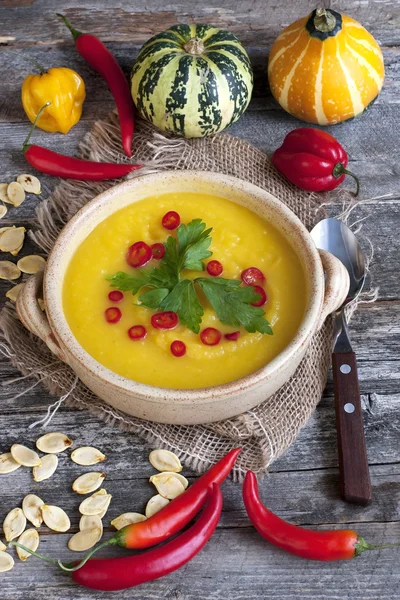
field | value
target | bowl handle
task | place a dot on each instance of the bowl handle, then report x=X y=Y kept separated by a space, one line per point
x=337 y=283
x=33 y=317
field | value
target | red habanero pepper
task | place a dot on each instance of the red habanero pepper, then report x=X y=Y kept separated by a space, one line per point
x=314 y=545
x=101 y=60
x=313 y=160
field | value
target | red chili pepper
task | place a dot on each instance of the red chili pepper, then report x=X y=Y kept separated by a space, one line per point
x=115 y=296
x=232 y=336
x=164 y=320
x=210 y=336
x=101 y=60
x=263 y=296
x=158 y=250
x=252 y=276
x=171 y=220
x=214 y=268
x=137 y=332
x=314 y=545
x=313 y=160
x=113 y=314
x=138 y=254
x=178 y=348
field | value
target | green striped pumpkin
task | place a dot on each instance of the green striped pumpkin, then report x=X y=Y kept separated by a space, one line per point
x=193 y=80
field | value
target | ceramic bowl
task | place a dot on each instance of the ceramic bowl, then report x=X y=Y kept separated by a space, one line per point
x=327 y=281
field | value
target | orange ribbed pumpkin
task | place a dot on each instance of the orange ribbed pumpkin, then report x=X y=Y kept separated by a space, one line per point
x=325 y=68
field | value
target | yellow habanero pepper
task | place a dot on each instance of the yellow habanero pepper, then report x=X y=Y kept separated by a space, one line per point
x=61 y=86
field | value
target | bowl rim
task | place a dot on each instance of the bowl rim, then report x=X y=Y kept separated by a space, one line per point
x=64 y=335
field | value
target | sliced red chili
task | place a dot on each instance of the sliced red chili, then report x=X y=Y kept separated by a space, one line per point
x=232 y=336
x=178 y=348
x=164 y=320
x=137 y=332
x=115 y=296
x=263 y=296
x=138 y=254
x=171 y=220
x=158 y=250
x=253 y=276
x=214 y=268
x=113 y=314
x=210 y=336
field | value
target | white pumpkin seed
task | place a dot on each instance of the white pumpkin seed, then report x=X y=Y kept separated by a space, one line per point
x=155 y=504
x=90 y=522
x=95 y=504
x=13 y=293
x=87 y=456
x=164 y=460
x=3 y=229
x=127 y=519
x=3 y=547
x=8 y=270
x=29 y=183
x=3 y=193
x=14 y=524
x=30 y=539
x=84 y=540
x=89 y=482
x=31 y=264
x=6 y=562
x=42 y=306
x=53 y=443
x=17 y=250
x=3 y=211
x=55 y=518
x=46 y=469
x=32 y=509
x=169 y=485
x=7 y=463
x=25 y=456
x=12 y=239
x=15 y=193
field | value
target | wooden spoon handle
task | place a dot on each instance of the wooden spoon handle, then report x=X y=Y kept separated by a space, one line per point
x=353 y=463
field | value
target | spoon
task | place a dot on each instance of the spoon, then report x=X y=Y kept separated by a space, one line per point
x=335 y=237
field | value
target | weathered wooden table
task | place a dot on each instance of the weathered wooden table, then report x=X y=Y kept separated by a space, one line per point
x=303 y=485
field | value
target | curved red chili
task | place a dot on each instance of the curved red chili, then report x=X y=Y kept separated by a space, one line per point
x=164 y=320
x=306 y=543
x=101 y=60
x=138 y=254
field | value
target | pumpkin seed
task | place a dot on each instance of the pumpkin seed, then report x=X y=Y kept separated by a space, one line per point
x=7 y=463
x=13 y=293
x=53 y=443
x=31 y=264
x=164 y=460
x=12 y=239
x=90 y=522
x=17 y=250
x=6 y=562
x=127 y=519
x=87 y=456
x=30 y=539
x=3 y=193
x=89 y=482
x=55 y=518
x=169 y=485
x=14 y=524
x=8 y=270
x=155 y=504
x=3 y=547
x=25 y=456
x=32 y=509
x=3 y=211
x=29 y=183
x=46 y=469
x=83 y=540
x=15 y=193
x=95 y=504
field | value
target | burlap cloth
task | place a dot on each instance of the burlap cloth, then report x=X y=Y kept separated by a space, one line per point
x=269 y=429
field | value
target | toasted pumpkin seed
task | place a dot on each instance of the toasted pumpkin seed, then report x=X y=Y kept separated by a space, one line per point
x=164 y=460
x=83 y=540
x=90 y=522
x=3 y=193
x=6 y=562
x=46 y=469
x=15 y=193
x=53 y=443
x=55 y=518
x=12 y=239
x=8 y=270
x=169 y=485
x=3 y=211
x=87 y=456
x=127 y=519
x=25 y=456
x=32 y=509
x=3 y=547
x=30 y=539
x=89 y=482
x=14 y=524
x=29 y=183
x=13 y=293
x=7 y=463
x=31 y=264
x=95 y=504
x=155 y=504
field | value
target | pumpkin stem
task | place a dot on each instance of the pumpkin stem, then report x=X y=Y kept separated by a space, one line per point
x=194 y=46
x=324 y=20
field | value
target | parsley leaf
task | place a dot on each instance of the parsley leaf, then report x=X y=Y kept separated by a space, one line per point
x=184 y=301
x=153 y=298
x=127 y=283
x=193 y=245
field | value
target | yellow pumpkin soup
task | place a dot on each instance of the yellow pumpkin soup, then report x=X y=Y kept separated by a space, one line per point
x=137 y=300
